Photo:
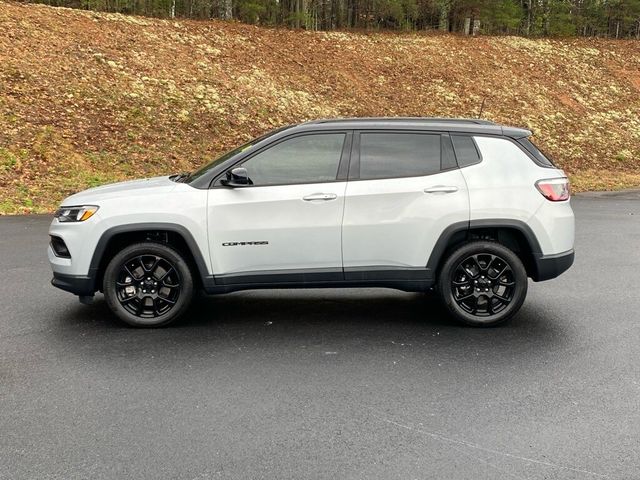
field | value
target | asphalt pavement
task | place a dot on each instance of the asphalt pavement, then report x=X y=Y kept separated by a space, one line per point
x=328 y=384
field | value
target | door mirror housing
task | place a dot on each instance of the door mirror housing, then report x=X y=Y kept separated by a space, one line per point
x=237 y=177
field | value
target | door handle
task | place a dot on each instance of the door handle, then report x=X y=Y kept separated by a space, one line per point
x=320 y=196
x=441 y=189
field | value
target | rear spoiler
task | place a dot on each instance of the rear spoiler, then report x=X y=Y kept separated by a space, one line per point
x=516 y=133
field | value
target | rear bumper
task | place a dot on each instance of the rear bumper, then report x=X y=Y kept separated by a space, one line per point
x=77 y=284
x=550 y=266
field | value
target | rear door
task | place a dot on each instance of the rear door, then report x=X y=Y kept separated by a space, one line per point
x=404 y=189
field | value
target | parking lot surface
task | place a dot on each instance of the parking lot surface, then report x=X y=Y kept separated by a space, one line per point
x=335 y=384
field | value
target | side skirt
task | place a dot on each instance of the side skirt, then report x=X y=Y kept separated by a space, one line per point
x=406 y=279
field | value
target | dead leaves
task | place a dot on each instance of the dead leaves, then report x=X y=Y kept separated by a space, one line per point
x=122 y=97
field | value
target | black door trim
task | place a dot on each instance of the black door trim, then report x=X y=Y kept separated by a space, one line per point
x=301 y=276
x=386 y=273
x=410 y=279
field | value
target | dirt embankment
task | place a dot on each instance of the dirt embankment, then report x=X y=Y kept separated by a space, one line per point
x=88 y=98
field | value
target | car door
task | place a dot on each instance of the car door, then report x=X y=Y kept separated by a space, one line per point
x=404 y=189
x=286 y=226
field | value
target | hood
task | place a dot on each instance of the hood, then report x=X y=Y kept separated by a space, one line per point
x=112 y=190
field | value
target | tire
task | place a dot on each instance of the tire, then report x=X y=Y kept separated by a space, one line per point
x=148 y=285
x=482 y=284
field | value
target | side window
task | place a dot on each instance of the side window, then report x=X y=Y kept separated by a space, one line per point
x=304 y=159
x=389 y=155
x=466 y=150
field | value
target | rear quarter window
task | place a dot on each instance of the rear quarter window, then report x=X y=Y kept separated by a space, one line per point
x=467 y=152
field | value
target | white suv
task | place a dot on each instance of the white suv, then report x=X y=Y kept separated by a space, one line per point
x=467 y=207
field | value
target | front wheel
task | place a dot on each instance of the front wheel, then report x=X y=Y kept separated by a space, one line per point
x=482 y=283
x=148 y=285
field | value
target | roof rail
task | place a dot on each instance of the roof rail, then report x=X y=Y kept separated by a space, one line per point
x=475 y=121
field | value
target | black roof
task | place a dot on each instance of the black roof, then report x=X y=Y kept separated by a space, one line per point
x=463 y=125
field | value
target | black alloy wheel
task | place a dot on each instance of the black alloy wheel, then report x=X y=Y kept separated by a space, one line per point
x=483 y=283
x=148 y=284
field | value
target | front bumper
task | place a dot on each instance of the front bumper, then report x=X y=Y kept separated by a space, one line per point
x=77 y=284
x=550 y=266
x=73 y=272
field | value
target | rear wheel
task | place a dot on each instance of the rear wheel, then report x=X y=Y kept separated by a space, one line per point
x=148 y=285
x=483 y=283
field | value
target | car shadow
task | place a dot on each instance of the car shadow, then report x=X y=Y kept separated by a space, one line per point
x=275 y=321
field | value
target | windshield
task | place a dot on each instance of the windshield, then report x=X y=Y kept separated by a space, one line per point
x=231 y=153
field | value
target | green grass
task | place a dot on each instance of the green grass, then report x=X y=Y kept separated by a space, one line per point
x=7 y=160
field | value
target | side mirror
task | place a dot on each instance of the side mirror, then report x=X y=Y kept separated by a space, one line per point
x=237 y=177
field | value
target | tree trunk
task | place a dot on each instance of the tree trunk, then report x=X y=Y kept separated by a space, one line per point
x=227 y=9
x=546 y=14
x=445 y=6
x=476 y=27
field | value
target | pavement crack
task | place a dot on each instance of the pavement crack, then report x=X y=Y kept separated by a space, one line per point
x=486 y=462
x=443 y=438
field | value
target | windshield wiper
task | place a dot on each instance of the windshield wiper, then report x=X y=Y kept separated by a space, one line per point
x=179 y=177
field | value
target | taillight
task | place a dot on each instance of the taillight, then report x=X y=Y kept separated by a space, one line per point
x=554 y=189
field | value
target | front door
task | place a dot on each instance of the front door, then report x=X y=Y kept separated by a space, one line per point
x=285 y=227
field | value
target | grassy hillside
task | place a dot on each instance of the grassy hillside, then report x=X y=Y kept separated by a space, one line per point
x=88 y=98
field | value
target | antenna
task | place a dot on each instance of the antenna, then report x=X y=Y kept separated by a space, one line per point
x=482 y=107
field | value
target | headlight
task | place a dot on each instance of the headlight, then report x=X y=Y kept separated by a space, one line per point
x=75 y=214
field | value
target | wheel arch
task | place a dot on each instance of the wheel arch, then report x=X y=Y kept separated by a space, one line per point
x=513 y=234
x=174 y=235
